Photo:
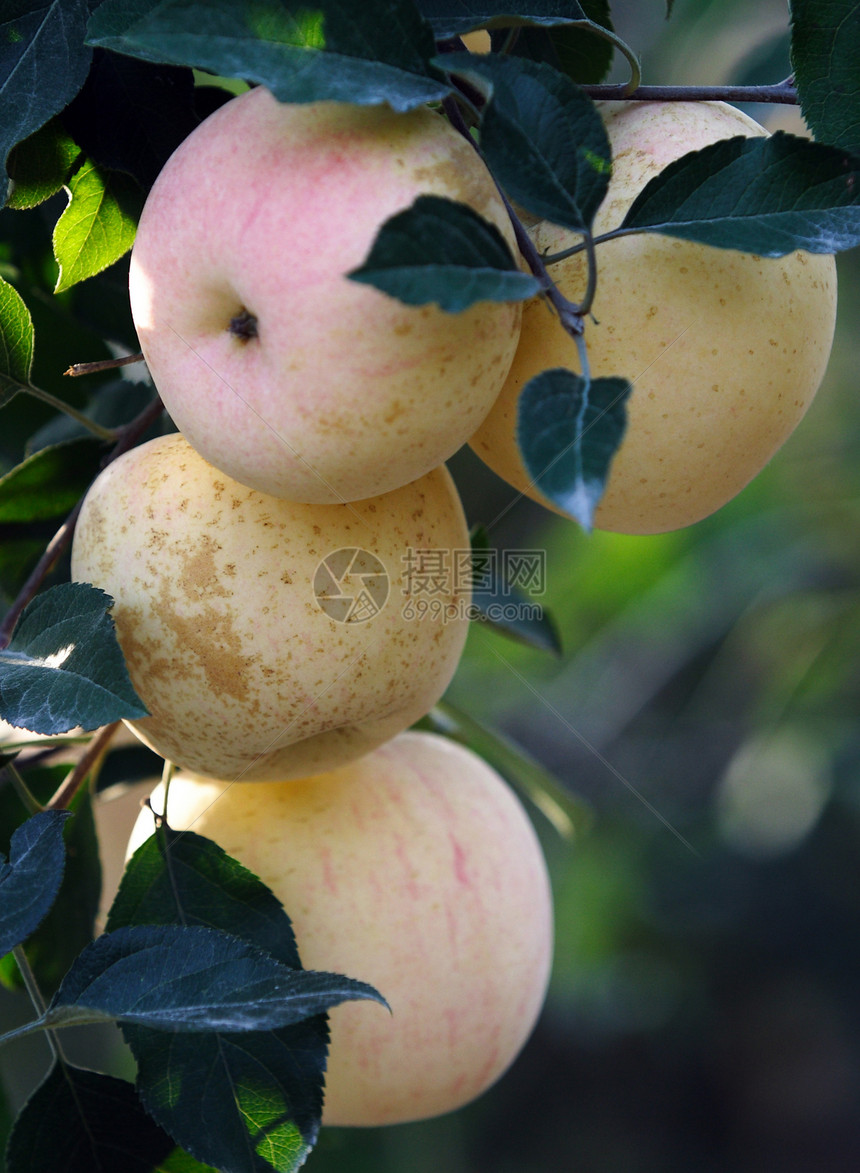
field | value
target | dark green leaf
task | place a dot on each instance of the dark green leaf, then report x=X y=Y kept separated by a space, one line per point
x=501 y=604
x=80 y=1121
x=183 y=878
x=577 y=50
x=31 y=878
x=132 y=115
x=569 y=814
x=334 y=50
x=16 y=342
x=443 y=251
x=825 y=51
x=43 y=63
x=452 y=18
x=64 y=666
x=98 y=225
x=191 y=978
x=541 y=136
x=49 y=484
x=173 y=876
x=68 y=927
x=767 y=196
x=568 y=431
x=40 y=165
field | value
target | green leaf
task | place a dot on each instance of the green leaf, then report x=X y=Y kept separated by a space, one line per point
x=498 y=602
x=580 y=50
x=48 y=484
x=767 y=196
x=80 y=1121
x=568 y=430
x=825 y=50
x=443 y=251
x=452 y=18
x=68 y=927
x=98 y=225
x=182 y=878
x=272 y=1079
x=40 y=165
x=64 y=666
x=191 y=978
x=541 y=136
x=31 y=878
x=43 y=63
x=16 y=342
x=334 y=50
x=571 y=816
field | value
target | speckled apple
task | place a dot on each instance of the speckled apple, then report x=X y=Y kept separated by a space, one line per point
x=415 y=869
x=244 y=674
x=725 y=350
x=281 y=371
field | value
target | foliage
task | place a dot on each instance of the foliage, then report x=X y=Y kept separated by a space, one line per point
x=95 y=99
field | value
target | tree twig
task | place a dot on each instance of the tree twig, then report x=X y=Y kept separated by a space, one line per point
x=75 y=778
x=783 y=93
x=104 y=364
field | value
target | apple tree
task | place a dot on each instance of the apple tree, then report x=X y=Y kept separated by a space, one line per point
x=198 y=963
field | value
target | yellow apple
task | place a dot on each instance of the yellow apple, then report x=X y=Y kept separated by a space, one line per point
x=416 y=869
x=725 y=350
x=281 y=371
x=259 y=647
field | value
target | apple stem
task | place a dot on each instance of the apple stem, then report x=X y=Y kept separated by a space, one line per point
x=244 y=325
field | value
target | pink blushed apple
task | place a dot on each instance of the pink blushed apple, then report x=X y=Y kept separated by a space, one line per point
x=280 y=370
x=416 y=869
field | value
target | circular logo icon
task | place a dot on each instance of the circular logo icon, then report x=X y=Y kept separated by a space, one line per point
x=351 y=585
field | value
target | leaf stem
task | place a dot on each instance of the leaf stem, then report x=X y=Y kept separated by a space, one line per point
x=23 y=791
x=106 y=434
x=39 y=1004
x=783 y=93
x=76 y=777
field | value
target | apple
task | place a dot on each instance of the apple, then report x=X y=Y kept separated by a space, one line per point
x=416 y=869
x=259 y=647
x=725 y=350
x=280 y=370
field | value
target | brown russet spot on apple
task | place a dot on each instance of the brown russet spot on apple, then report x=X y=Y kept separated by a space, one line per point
x=253 y=680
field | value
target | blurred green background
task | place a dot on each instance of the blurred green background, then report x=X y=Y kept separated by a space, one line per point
x=704 y=1009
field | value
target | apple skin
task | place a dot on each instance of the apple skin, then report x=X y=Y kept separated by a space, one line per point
x=243 y=673
x=725 y=350
x=416 y=869
x=345 y=393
